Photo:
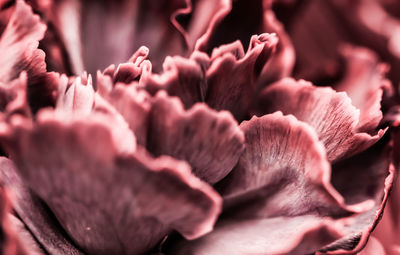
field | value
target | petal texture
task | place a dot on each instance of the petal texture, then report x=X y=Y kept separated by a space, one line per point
x=335 y=119
x=108 y=201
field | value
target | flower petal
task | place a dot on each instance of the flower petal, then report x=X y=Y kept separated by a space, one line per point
x=231 y=77
x=211 y=142
x=11 y=243
x=19 y=44
x=108 y=202
x=132 y=103
x=283 y=158
x=225 y=81
x=33 y=213
x=280 y=235
x=333 y=116
x=181 y=77
x=364 y=83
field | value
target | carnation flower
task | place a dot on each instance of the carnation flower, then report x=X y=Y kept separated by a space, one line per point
x=189 y=127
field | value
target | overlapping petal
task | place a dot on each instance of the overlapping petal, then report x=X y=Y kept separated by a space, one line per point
x=135 y=209
x=335 y=119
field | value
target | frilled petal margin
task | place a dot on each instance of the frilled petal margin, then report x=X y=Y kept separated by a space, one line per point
x=210 y=141
x=335 y=119
x=120 y=203
x=225 y=81
x=283 y=153
x=364 y=82
x=279 y=191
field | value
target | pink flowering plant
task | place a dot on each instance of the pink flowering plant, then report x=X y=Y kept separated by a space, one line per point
x=199 y=127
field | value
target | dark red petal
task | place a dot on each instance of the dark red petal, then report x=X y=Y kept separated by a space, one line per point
x=333 y=116
x=32 y=212
x=295 y=235
x=211 y=142
x=106 y=201
x=19 y=42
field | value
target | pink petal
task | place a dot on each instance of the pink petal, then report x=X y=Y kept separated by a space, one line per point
x=333 y=116
x=132 y=103
x=364 y=83
x=138 y=23
x=11 y=243
x=14 y=97
x=19 y=42
x=225 y=81
x=181 y=77
x=373 y=247
x=211 y=142
x=284 y=161
x=280 y=235
x=32 y=212
x=133 y=215
x=232 y=75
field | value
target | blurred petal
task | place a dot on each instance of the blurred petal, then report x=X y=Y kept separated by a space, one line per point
x=373 y=247
x=10 y=243
x=364 y=83
x=14 y=98
x=19 y=42
x=335 y=119
x=121 y=203
x=132 y=103
x=225 y=81
x=25 y=236
x=33 y=213
x=211 y=142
